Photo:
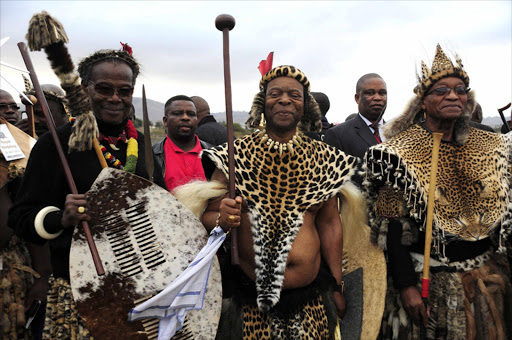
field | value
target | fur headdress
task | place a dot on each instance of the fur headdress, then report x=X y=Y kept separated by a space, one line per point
x=442 y=67
x=312 y=118
x=45 y=32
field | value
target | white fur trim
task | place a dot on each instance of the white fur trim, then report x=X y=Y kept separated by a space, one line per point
x=39 y=223
x=195 y=195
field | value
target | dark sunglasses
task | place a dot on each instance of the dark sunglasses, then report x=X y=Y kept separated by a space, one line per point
x=109 y=91
x=4 y=107
x=443 y=91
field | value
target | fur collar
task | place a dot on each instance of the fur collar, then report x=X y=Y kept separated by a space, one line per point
x=413 y=113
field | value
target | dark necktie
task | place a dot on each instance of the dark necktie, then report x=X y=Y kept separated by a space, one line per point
x=375 y=127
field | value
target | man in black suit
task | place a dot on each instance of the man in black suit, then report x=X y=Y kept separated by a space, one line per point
x=356 y=135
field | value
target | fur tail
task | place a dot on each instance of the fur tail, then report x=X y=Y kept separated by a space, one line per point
x=46 y=32
x=353 y=213
x=195 y=195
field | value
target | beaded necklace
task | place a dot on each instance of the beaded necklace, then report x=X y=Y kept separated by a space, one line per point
x=128 y=136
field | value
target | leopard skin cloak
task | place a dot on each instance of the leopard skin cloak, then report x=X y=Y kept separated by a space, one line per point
x=472 y=195
x=279 y=188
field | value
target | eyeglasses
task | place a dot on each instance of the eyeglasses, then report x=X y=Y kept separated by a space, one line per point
x=5 y=107
x=109 y=91
x=443 y=91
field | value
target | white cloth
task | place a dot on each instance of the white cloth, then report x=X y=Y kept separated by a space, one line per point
x=183 y=294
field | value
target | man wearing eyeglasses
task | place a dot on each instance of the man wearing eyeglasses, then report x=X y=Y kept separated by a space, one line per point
x=100 y=101
x=12 y=249
x=13 y=252
x=453 y=278
x=9 y=110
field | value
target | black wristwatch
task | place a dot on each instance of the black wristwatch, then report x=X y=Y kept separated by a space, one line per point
x=341 y=287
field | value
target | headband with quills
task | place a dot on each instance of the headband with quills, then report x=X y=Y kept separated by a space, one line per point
x=285 y=71
x=53 y=95
x=49 y=94
x=442 y=67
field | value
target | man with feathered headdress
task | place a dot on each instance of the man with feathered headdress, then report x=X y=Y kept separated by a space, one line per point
x=470 y=292
x=99 y=98
x=289 y=283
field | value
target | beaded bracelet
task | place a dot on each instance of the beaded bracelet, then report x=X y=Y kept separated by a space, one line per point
x=217 y=221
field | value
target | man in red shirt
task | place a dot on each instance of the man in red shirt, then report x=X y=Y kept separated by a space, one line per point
x=178 y=153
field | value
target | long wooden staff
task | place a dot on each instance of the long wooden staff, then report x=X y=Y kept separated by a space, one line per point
x=225 y=23
x=69 y=177
x=148 y=149
x=503 y=116
x=430 y=216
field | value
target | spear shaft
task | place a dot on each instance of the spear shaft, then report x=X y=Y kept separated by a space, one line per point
x=148 y=150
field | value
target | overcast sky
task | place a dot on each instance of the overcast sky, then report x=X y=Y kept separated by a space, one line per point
x=334 y=43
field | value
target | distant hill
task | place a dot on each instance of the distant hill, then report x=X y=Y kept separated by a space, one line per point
x=156 y=112
x=155 y=109
x=494 y=122
x=238 y=117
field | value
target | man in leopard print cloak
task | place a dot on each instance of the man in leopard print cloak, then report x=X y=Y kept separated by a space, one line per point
x=470 y=290
x=289 y=281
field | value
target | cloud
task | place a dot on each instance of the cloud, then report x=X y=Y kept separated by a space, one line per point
x=333 y=42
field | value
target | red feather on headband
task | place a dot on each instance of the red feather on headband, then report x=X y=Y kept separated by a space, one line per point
x=266 y=65
x=127 y=48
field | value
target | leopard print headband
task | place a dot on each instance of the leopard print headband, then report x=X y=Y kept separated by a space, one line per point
x=312 y=119
x=285 y=71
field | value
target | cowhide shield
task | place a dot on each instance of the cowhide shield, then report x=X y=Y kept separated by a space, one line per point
x=25 y=142
x=145 y=239
x=364 y=273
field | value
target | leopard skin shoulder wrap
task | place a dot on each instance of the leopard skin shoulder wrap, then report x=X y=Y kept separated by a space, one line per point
x=472 y=195
x=279 y=188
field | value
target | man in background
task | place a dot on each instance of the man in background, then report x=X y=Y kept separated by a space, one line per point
x=9 y=110
x=476 y=120
x=56 y=99
x=208 y=129
x=178 y=153
x=356 y=135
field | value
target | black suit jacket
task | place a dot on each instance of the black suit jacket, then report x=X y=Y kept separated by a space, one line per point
x=353 y=137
